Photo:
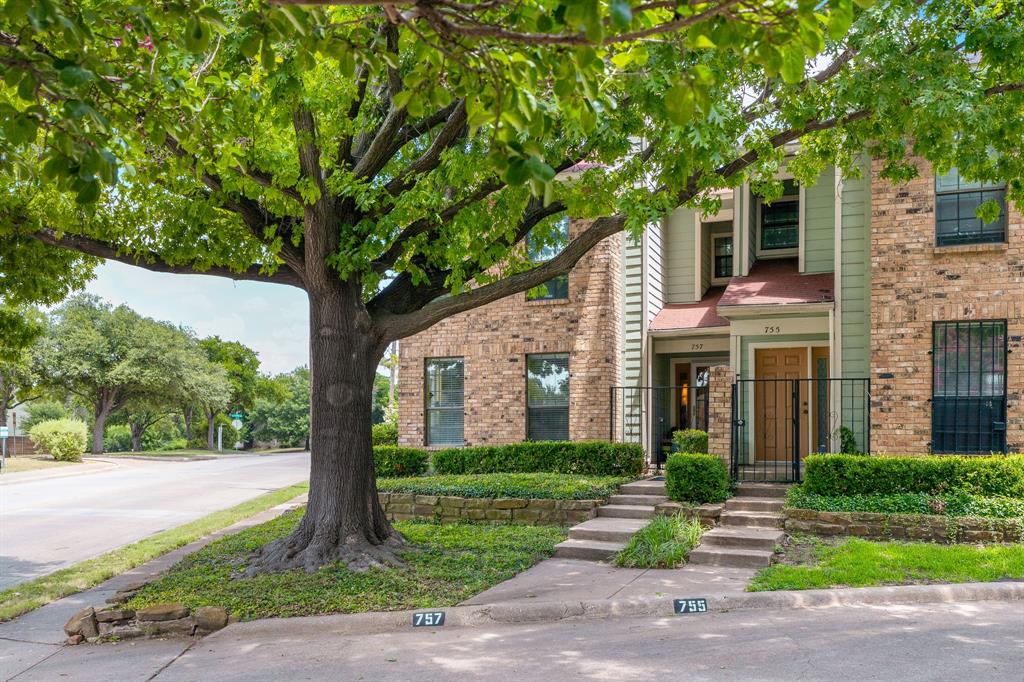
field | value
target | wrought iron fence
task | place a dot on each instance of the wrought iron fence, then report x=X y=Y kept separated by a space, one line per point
x=649 y=415
x=776 y=422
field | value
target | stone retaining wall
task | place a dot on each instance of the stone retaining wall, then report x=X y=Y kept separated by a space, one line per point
x=404 y=506
x=932 y=528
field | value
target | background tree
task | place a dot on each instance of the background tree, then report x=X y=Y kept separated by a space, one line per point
x=108 y=356
x=392 y=166
x=240 y=366
x=19 y=371
x=282 y=413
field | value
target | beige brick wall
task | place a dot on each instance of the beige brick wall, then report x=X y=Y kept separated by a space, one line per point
x=495 y=339
x=915 y=283
x=720 y=412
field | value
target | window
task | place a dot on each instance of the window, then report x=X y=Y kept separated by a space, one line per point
x=956 y=201
x=722 y=257
x=969 y=386
x=539 y=250
x=780 y=220
x=445 y=384
x=547 y=397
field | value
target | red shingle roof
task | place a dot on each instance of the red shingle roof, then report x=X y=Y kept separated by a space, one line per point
x=778 y=282
x=691 y=315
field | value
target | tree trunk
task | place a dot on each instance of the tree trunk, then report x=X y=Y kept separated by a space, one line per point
x=344 y=521
x=137 y=430
x=187 y=415
x=211 y=429
x=99 y=426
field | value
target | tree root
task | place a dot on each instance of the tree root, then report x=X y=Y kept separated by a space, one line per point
x=310 y=552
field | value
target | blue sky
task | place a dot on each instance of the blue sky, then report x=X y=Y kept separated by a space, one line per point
x=271 y=319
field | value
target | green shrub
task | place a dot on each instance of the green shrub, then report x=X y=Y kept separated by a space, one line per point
x=858 y=475
x=65 y=439
x=117 y=438
x=385 y=434
x=593 y=458
x=41 y=411
x=690 y=440
x=526 y=486
x=956 y=504
x=848 y=442
x=391 y=460
x=696 y=477
x=663 y=543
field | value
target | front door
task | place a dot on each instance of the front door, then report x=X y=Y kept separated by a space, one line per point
x=773 y=401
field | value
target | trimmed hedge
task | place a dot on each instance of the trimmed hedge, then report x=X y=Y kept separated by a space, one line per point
x=957 y=504
x=592 y=458
x=391 y=460
x=385 y=433
x=691 y=440
x=697 y=477
x=524 y=486
x=994 y=476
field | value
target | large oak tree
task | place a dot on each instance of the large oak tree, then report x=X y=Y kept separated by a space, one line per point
x=389 y=159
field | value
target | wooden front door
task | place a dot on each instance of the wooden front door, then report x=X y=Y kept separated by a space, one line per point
x=773 y=402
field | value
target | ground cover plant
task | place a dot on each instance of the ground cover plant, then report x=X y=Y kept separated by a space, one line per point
x=808 y=562
x=952 y=504
x=442 y=566
x=529 y=486
x=663 y=543
x=26 y=596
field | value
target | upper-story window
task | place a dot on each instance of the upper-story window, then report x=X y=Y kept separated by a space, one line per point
x=780 y=221
x=539 y=251
x=722 y=256
x=956 y=203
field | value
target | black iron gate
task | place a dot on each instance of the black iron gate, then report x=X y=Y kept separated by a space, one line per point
x=776 y=422
x=649 y=415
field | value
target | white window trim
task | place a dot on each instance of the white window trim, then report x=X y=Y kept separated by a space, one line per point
x=717 y=281
x=761 y=254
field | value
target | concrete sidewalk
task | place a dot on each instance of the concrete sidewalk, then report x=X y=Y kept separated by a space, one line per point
x=37 y=637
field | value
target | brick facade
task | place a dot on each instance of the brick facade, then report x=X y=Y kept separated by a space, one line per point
x=495 y=339
x=915 y=283
x=720 y=412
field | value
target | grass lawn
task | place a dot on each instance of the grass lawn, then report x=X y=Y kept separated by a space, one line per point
x=445 y=564
x=810 y=563
x=16 y=464
x=531 y=486
x=19 y=599
x=663 y=543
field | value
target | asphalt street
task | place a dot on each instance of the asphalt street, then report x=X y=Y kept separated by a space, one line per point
x=50 y=523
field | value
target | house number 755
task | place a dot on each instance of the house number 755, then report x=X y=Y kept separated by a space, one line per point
x=773 y=330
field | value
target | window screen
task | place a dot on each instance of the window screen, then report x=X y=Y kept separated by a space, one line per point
x=547 y=397
x=969 y=386
x=445 y=384
x=541 y=250
x=956 y=201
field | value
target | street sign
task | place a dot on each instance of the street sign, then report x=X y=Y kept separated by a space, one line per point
x=236 y=415
x=699 y=605
x=4 y=432
x=236 y=424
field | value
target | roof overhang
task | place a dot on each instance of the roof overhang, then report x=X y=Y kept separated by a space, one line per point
x=718 y=330
x=775 y=309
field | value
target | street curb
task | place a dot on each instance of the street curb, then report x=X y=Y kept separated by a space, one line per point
x=509 y=613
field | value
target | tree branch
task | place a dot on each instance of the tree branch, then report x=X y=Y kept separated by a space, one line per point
x=153 y=262
x=446 y=137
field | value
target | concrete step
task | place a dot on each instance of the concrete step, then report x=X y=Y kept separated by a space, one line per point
x=607 y=529
x=740 y=537
x=762 y=489
x=627 y=511
x=768 y=504
x=734 y=557
x=637 y=499
x=645 y=487
x=749 y=518
x=590 y=550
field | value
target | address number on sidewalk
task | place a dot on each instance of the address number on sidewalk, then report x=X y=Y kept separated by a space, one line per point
x=699 y=605
x=428 y=619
